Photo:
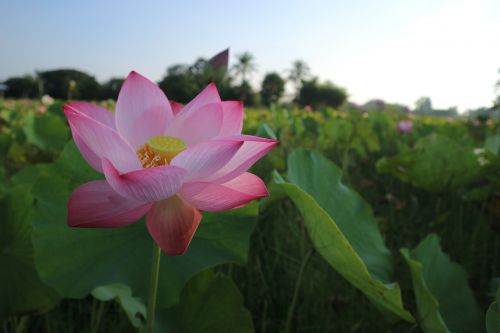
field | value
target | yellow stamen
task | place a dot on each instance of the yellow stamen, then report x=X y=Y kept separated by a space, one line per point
x=160 y=150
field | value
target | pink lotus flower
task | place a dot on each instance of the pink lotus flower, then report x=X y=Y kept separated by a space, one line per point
x=405 y=126
x=163 y=160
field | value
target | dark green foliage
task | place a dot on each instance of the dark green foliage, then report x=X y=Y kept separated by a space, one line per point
x=245 y=93
x=178 y=84
x=111 y=88
x=318 y=94
x=208 y=303
x=272 y=89
x=70 y=84
x=183 y=82
x=21 y=87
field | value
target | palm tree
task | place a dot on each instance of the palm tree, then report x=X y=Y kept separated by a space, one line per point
x=299 y=72
x=245 y=66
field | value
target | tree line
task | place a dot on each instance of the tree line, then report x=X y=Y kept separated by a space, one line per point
x=182 y=82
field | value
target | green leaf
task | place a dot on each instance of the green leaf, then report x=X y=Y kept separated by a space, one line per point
x=208 y=303
x=265 y=131
x=442 y=291
x=493 y=315
x=26 y=176
x=21 y=290
x=321 y=178
x=336 y=132
x=429 y=318
x=432 y=164
x=133 y=307
x=75 y=261
x=17 y=153
x=329 y=239
x=47 y=131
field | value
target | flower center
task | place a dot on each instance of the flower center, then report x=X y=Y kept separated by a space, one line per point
x=160 y=150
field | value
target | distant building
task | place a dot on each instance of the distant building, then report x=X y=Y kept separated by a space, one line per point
x=423 y=107
x=483 y=113
x=374 y=105
x=451 y=112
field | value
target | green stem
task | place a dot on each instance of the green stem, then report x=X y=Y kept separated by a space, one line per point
x=21 y=326
x=98 y=318
x=298 y=283
x=153 y=288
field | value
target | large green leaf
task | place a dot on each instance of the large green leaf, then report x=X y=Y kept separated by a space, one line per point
x=21 y=290
x=432 y=164
x=442 y=291
x=329 y=238
x=47 y=131
x=208 y=303
x=75 y=261
x=321 y=178
x=493 y=315
x=133 y=307
x=26 y=176
x=429 y=318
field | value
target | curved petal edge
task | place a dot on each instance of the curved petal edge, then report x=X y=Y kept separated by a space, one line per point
x=214 y=197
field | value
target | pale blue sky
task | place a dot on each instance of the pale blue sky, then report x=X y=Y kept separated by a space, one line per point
x=394 y=50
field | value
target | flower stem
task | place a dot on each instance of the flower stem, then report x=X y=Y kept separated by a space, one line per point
x=153 y=288
x=298 y=283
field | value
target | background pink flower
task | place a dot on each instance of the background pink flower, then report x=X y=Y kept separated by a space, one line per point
x=405 y=126
x=163 y=160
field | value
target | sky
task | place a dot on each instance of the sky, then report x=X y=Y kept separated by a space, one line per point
x=394 y=50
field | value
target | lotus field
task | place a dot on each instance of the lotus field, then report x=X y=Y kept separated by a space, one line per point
x=313 y=220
